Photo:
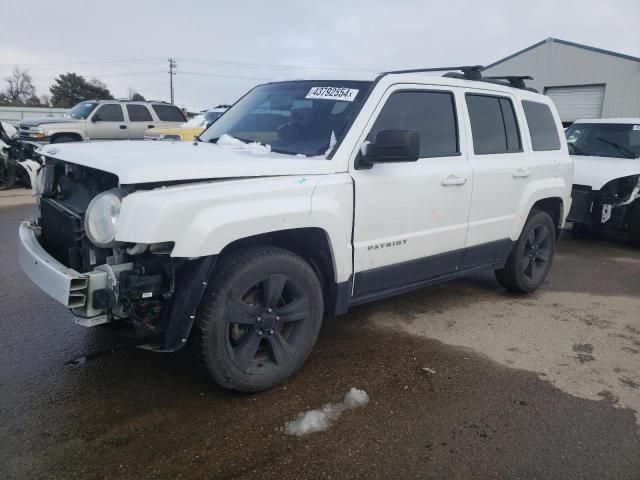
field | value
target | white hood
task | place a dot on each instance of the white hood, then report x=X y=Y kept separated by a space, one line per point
x=596 y=172
x=146 y=161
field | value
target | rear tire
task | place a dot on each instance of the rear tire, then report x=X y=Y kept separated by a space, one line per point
x=532 y=256
x=634 y=224
x=259 y=319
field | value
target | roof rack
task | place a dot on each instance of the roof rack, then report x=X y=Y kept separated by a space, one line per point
x=474 y=72
x=470 y=72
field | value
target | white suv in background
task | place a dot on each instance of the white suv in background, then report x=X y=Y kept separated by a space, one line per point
x=304 y=199
x=606 y=190
x=102 y=120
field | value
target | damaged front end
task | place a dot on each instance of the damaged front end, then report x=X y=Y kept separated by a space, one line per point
x=609 y=207
x=72 y=254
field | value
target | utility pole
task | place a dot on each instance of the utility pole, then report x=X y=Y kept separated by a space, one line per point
x=172 y=66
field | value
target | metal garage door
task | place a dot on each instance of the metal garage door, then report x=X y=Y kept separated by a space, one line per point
x=577 y=102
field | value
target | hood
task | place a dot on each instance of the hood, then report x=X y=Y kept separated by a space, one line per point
x=147 y=162
x=34 y=122
x=596 y=172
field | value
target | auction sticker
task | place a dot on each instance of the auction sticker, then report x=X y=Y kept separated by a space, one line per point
x=333 y=93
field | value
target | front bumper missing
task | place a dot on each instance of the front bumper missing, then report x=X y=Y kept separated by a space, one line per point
x=588 y=208
x=59 y=282
x=72 y=289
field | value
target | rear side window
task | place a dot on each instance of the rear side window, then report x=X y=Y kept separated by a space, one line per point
x=169 y=113
x=110 y=113
x=432 y=114
x=494 y=126
x=139 y=113
x=542 y=126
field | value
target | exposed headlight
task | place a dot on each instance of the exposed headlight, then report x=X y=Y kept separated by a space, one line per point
x=101 y=217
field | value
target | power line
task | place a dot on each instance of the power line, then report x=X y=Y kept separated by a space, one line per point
x=222 y=75
x=71 y=64
x=273 y=65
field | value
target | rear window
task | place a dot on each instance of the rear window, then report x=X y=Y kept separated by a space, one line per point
x=169 y=113
x=139 y=113
x=542 y=127
x=494 y=126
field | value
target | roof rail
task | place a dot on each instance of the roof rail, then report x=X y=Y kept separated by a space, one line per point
x=474 y=72
x=470 y=72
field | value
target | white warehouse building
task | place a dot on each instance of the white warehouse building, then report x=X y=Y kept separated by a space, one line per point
x=584 y=82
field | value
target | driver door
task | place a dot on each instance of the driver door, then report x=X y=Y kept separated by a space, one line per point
x=107 y=123
x=411 y=218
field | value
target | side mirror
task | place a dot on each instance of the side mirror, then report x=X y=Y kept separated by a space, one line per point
x=96 y=118
x=391 y=146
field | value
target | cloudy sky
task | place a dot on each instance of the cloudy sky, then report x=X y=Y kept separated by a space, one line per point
x=224 y=48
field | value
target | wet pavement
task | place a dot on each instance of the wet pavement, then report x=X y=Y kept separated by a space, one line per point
x=83 y=403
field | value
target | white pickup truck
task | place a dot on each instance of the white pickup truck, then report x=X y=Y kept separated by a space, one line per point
x=304 y=199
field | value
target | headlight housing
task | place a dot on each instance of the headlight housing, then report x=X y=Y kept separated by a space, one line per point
x=101 y=217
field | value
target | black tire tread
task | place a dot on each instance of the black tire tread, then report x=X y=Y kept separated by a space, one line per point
x=509 y=276
x=213 y=303
x=634 y=224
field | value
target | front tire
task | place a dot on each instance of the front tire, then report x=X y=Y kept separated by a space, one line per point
x=259 y=319
x=530 y=260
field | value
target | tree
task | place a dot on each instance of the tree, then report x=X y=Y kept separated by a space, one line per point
x=20 y=89
x=135 y=96
x=70 y=88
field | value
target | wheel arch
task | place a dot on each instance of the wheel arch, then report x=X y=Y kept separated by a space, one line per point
x=75 y=135
x=310 y=243
x=554 y=206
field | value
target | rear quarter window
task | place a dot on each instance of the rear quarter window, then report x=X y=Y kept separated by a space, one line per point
x=169 y=113
x=542 y=126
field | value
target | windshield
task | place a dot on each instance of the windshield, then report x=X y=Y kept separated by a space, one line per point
x=81 y=110
x=305 y=117
x=616 y=140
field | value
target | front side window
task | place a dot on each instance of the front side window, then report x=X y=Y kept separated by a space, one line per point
x=139 y=113
x=431 y=114
x=494 y=127
x=542 y=126
x=617 y=140
x=295 y=118
x=110 y=113
x=169 y=113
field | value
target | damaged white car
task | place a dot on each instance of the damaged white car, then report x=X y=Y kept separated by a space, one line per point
x=606 y=186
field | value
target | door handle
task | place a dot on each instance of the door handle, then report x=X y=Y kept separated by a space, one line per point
x=452 y=180
x=521 y=173
x=123 y=127
x=151 y=126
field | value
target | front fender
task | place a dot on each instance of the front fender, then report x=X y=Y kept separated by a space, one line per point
x=50 y=132
x=538 y=190
x=201 y=219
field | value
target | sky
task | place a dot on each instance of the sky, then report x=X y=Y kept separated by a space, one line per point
x=222 y=49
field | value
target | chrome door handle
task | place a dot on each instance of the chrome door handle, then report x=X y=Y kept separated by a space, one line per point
x=521 y=173
x=452 y=180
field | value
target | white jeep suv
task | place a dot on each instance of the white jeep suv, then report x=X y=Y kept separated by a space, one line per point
x=304 y=199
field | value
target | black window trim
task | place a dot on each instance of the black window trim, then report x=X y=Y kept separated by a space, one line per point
x=501 y=152
x=560 y=138
x=458 y=152
x=138 y=105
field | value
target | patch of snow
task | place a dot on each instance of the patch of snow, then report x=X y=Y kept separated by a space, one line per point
x=332 y=143
x=320 y=420
x=231 y=142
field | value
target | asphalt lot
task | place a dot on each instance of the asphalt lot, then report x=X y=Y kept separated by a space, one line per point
x=537 y=387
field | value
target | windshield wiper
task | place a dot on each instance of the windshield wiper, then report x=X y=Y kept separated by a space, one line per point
x=625 y=151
